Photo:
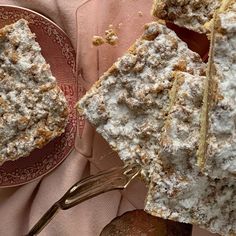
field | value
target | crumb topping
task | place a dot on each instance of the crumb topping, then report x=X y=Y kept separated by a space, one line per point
x=179 y=191
x=192 y=14
x=221 y=153
x=33 y=109
x=148 y=106
x=128 y=104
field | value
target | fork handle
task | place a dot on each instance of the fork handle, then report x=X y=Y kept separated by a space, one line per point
x=44 y=221
x=116 y=178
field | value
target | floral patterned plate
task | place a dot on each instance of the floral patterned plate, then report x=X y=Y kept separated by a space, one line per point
x=59 y=53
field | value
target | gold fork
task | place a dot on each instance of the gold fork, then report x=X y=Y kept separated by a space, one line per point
x=104 y=181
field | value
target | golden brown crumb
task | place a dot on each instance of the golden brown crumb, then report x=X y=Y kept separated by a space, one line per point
x=111 y=37
x=14 y=57
x=98 y=40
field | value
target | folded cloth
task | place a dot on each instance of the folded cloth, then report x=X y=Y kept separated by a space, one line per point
x=21 y=207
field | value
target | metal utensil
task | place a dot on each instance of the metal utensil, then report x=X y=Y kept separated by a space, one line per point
x=116 y=178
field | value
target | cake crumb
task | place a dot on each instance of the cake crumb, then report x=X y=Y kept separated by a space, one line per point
x=111 y=37
x=140 y=13
x=98 y=40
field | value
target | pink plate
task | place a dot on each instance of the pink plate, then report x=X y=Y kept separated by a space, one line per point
x=59 y=53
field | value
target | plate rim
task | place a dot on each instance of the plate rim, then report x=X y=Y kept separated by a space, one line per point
x=35 y=12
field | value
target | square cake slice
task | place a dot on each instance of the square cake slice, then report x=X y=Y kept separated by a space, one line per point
x=217 y=152
x=33 y=109
x=191 y=14
x=129 y=102
x=179 y=191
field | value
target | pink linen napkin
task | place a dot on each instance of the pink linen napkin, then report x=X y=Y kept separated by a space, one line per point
x=21 y=207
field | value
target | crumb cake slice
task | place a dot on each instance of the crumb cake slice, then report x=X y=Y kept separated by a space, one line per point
x=217 y=154
x=179 y=191
x=129 y=102
x=191 y=14
x=33 y=109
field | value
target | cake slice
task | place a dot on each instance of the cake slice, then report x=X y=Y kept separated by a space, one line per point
x=129 y=102
x=217 y=152
x=179 y=191
x=33 y=109
x=190 y=14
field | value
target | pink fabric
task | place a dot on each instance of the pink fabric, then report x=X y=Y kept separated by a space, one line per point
x=21 y=207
